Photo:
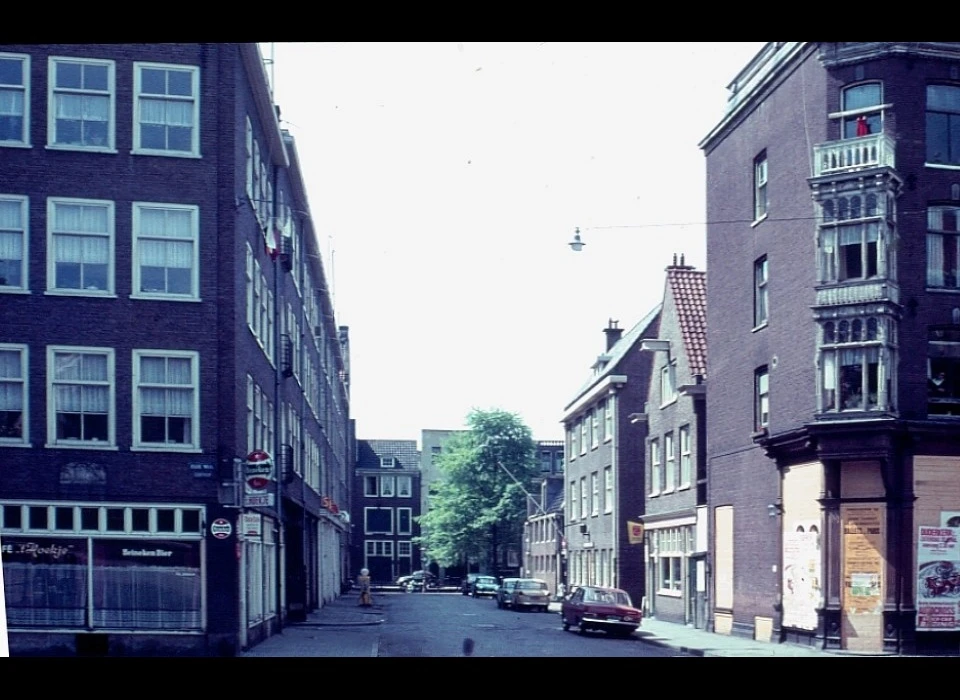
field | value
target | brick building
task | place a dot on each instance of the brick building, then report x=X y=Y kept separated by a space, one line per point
x=833 y=323
x=174 y=391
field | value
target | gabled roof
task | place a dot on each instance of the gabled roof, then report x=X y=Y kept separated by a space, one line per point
x=406 y=453
x=689 y=290
x=615 y=354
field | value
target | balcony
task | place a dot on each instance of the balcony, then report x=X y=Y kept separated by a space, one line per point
x=858 y=292
x=852 y=155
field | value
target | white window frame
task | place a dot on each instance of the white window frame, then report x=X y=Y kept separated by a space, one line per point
x=573 y=500
x=409 y=513
x=670 y=464
x=109 y=234
x=594 y=494
x=387 y=462
x=583 y=496
x=21 y=228
x=761 y=393
x=24 y=89
x=761 y=296
x=608 y=489
x=848 y=113
x=573 y=433
x=53 y=92
x=191 y=445
x=608 y=420
x=404 y=481
x=366 y=527
x=595 y=427
x=194 y=239
x=668 y=383
x=194 y=99
x=943 y=247
x=8 y=383
x=367 y=483
x=387 y=487
x=761 y=204
x=248 y=146
x=584 y=427
x=686 y=458
x=379 y=548
x=53 y=351
x=404 y=549
x=656 y=479
x=670 y=554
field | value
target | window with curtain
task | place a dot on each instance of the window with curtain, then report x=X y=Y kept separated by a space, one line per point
x=670 y=463
x=166 y=399
x=14 y=99
x=81 y=103
x=13 y=243
x=943 y=124
x=656 y=467
x=607 y=489
x=686 y=459
x=13 y=394
x=166 y=250
x=167 y=108
x=760 y=186
x=862 y=111
x=760 y=268
x=608 y=419
x=761 y=393
x=81 y=391
x=80 y=246
x=943 y=247
x=573 y=500
x=595 y=494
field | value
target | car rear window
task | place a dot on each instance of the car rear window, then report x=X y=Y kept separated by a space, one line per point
x=532 y=585
x=486 y=579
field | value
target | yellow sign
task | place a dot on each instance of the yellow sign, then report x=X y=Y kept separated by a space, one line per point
x=635 y=532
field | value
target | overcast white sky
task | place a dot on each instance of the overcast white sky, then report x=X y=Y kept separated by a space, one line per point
x=445 y=180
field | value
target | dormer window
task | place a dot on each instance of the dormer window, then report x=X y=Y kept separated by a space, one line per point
x=387 y=462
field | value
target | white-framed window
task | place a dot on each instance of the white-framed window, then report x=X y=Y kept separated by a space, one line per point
x=387 y=462
x=670 y=462
x=608 y=419
x=862 y=107
x=166 y=400
x=594 y=494
x=760 y=271
x=166 y=250
x=81 y=408
x=166 y=119
x=761 y=393
x=760 y=186
x=387 y=485
x=943 y=247
x=671 y=548
x=668 y=383
x=595 y=427
x=248 y=151
x=686 y=458
x=573 y=500
x=80 y=244
x=404 y=521
x=584 y=438
x=855 y=237
x=583 y=497
x=608 y=489
x=405 y=549
x=14 y=395
x=14 y=99
x=248 y=284
x=857 y=365
x=14 y=242
x=379 y=548
x=371 y=489
x=546 y=461
x=572 y=439
x=943 y=124
x=404 y=486
x=378 y=521
x=656 y=468
x=80 y=111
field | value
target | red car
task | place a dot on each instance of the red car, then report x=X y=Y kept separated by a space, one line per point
x=600 y=608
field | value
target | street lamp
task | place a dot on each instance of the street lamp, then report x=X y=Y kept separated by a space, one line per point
x=576 y=244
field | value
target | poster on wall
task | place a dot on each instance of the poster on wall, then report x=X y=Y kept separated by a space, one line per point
x=938 y=579
x=801 y=579
x=863 y=559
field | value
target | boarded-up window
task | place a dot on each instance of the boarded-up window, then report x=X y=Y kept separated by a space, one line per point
x=723 y=569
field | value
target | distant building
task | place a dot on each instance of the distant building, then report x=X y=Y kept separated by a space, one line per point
x=543 y=543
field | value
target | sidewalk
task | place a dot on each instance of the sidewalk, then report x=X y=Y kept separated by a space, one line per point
x=341 y=628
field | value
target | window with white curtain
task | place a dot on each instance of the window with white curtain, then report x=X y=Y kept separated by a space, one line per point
x=14 y=99
x=166 y=109
x=166 y=245
x=80 y=244
x=166 y=399
x=594 y=494
x=686 y=462
x=943 y=247
x=656 y=468
x=13 y=242
x=608 y=489
x=857 y=365
x=14 y=428
x=80 y=113
x=80 y=387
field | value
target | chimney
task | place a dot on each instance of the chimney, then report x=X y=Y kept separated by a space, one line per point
x=612 y=332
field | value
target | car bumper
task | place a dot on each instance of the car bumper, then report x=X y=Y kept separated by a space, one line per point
x=604 y=623
x=532 y=602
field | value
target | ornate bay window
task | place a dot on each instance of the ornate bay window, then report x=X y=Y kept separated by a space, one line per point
x=857 y=364
x=855 y=240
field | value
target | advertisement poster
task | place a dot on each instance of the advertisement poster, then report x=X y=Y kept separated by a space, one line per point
x=801 y=579
x=4 y=642
x=938 y=579
x=863 y=560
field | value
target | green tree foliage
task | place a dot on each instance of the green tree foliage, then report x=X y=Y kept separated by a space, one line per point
x=480 y=503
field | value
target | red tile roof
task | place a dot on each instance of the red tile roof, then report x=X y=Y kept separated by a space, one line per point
x=689 y=290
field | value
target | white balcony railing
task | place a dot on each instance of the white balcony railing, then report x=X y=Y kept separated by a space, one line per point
x=858 y=292
x=874 y=151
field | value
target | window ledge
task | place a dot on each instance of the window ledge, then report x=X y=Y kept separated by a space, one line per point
x=760 y=327
x=165 y=154
x=13 y=290
x=654 y=494
x=942 y=166
x=943 y=290
x=669 y=490
x=14 y=144
x=105 y=446
x=80 y=293
x=669 y=403
x=670 y=593
x=683 y=487
x=762 y=218
x=165 y=297
x=81 y=149
x=166 y=448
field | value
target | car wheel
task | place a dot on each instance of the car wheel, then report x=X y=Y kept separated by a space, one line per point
x=564 y=623
x=581 y=628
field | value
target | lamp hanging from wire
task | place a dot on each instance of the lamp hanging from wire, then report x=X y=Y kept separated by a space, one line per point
x=576 y=243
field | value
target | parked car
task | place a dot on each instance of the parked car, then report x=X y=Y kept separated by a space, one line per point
x=528 y=593
x=505 y=592
x=417 y=580
x=484 y=585
x=467 y=583
x=600 y=608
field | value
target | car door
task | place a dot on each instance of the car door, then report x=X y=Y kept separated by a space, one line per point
x=575 y=608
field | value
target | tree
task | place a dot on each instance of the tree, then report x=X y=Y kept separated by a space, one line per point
x=480 y=503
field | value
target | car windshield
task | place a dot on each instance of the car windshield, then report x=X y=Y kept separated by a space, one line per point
x=593 y=595
x=486 y=579
x=532 y=585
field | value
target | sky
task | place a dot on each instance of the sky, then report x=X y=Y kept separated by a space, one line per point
x=445 y=180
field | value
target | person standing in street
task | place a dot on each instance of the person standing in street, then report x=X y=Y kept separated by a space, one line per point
x=366 y=600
